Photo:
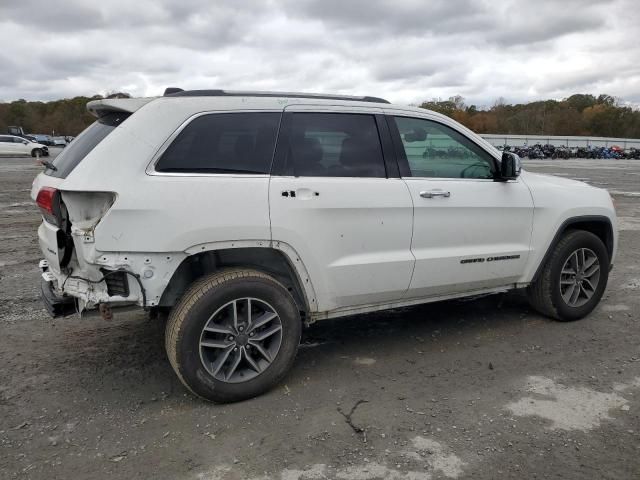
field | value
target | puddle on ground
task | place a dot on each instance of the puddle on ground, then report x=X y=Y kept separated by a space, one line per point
x=568 y=408
x=432 y=457
x=437 y=456
x=616 y=308
x=367 y=361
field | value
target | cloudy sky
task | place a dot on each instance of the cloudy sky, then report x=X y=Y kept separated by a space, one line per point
x=403 y=50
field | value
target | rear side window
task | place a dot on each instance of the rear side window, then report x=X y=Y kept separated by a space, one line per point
x=239 y=143
x=334 y=145
x=73 y=154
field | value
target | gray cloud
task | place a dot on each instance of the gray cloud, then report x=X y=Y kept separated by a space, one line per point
x=528 y=23
x=70 y=15
x=404 y=50
x=394 y=17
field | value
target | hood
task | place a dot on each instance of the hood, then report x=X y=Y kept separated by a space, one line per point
x=554 y=180
x=570 y=197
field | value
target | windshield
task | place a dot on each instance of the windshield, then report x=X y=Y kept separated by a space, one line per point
x=84 y=143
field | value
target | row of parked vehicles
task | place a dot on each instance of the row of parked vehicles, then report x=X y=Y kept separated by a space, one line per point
x=14 y=146
x=550 y=151
x=17 y=143
x=41 y=138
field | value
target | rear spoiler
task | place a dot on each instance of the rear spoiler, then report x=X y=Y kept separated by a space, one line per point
x=98 y=108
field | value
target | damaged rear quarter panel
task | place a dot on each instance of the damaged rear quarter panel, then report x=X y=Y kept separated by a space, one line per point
x=154 y=219
x=154 y=270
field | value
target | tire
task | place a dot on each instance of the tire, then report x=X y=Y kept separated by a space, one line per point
x=36 y=151
x=545 y=294
x=198 y=356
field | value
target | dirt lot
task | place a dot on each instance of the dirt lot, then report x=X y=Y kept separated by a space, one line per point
x=474 y=389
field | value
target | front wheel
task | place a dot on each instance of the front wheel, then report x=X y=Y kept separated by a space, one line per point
x=36 y=152
x=573 y=278
x=233 y=335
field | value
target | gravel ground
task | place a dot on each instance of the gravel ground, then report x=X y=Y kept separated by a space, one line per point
x=484 y=388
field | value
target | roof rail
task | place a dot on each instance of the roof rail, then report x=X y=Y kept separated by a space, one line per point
x=178 y=92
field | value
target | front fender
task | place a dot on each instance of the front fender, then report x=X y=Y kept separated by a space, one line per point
x=558 y=204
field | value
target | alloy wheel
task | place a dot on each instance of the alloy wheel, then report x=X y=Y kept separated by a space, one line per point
x=579 y=277
x=240 y=340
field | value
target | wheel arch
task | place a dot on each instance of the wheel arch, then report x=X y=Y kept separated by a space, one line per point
x=599 y=225
x=272 y=261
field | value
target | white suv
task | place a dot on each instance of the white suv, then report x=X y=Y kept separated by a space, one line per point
x=248 y=214
x=17 y=146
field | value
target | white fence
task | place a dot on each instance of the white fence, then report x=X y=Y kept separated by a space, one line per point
x=520 y=140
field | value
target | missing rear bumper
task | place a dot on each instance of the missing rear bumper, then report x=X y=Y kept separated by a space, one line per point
x=56 y=305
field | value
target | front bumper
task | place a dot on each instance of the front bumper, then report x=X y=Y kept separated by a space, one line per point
x=56 y=305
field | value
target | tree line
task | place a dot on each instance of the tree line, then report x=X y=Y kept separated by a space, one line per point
x=59 y=117
x=579 y=114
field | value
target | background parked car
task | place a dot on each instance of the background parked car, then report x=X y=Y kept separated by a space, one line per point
x=15 y=130
x=18 y=146
x=59 y=142
x=42 y=139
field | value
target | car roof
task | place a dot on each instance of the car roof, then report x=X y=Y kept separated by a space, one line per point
x=203 y=99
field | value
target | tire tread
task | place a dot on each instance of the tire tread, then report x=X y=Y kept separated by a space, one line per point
x=178 y=314
x=539 y=292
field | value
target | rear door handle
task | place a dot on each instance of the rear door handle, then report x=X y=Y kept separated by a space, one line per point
x=301 y=193
x=435 y=193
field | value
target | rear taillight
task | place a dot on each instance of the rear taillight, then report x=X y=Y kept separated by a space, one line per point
x=48 y=200
x=45 y=199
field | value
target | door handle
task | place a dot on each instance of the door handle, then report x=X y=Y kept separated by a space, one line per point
x=301 y=193
x=435 y=193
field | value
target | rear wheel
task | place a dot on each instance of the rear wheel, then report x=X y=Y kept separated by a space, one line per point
x=573 y=278
x=233 y=335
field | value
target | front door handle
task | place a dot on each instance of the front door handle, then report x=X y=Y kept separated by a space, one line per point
x=435 y=193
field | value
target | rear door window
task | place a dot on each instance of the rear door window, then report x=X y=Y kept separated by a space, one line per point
x=218 y=143
x=333 y=145
x=73 y=154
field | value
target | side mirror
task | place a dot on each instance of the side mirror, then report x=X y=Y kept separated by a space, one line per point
x=510 y=166
x=25 y=142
